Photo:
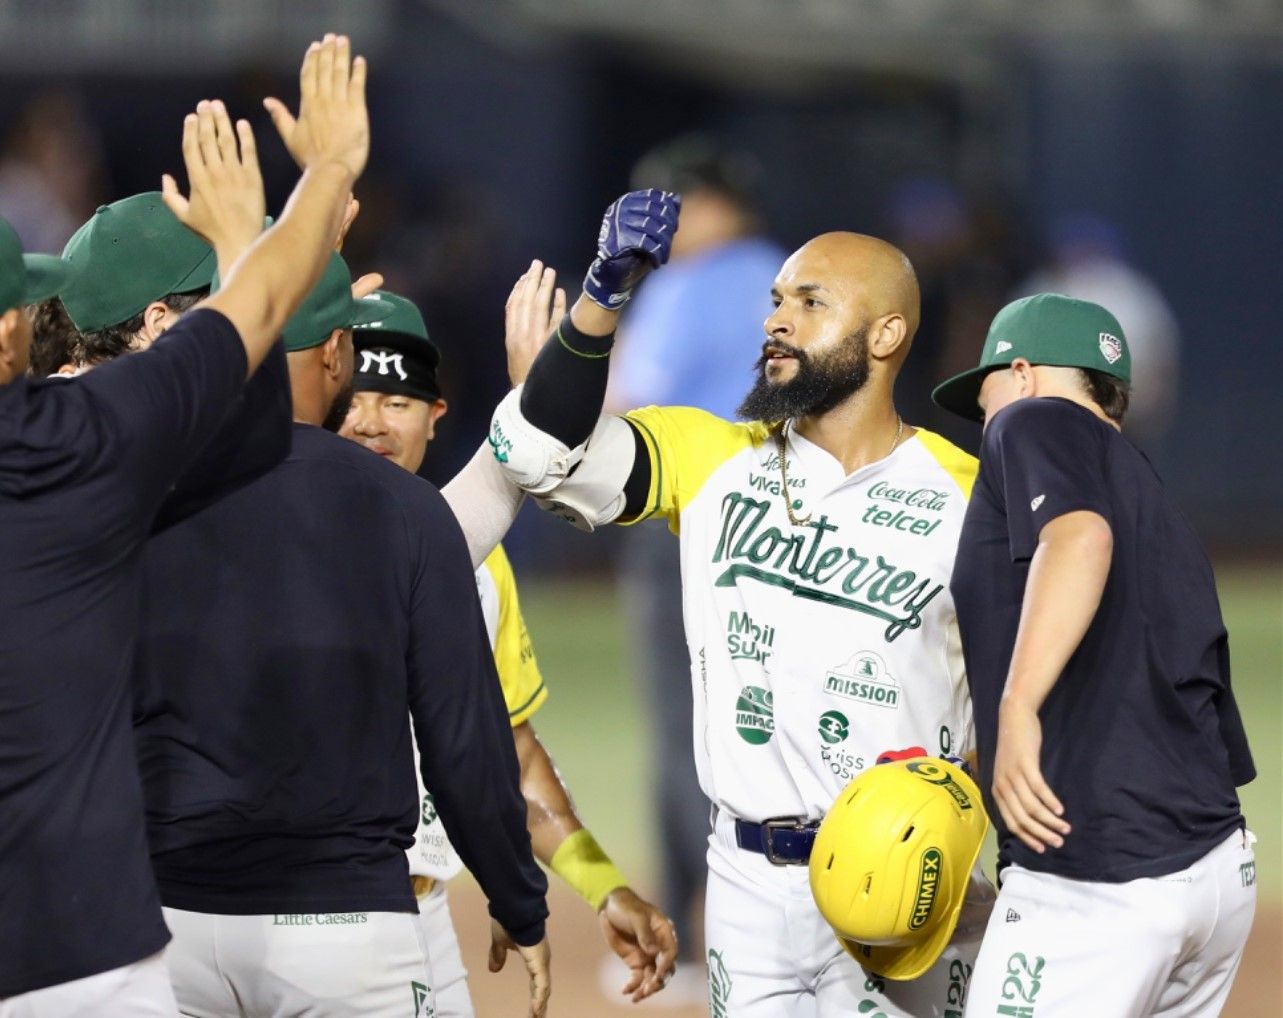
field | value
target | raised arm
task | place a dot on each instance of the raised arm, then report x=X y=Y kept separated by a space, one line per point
x=542 y=433
x=264 y=285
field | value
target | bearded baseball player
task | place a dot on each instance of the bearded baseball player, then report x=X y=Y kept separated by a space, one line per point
x=395 y=409
x=817 y=545
x=1110 y=741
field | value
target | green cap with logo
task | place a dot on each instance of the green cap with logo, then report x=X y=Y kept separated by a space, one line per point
x=27 y=278
x=331 y=306
x=130 y=253
x=1048 y=329
x=395 y=355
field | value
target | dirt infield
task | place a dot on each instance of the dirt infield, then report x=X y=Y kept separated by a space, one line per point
x=578 y=951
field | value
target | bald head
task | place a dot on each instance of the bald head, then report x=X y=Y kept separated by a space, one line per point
x=867 y=270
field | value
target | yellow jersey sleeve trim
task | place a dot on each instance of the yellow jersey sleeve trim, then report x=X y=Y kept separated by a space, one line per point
x=686 y=445
x=524 y=691
x=959 y=465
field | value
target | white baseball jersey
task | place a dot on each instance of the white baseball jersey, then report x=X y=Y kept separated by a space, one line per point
x=524 y=692
x=813 y=648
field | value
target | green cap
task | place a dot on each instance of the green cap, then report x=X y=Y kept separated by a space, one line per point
x=1048 y=329
x=128 y=254
x=27 y=278
x=394 y=354
x=331 y=306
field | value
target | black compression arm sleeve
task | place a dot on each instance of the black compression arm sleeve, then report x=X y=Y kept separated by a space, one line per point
x=637 y=487
x=566 y=386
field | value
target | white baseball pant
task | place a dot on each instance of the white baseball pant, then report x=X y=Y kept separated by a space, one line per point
x=772 y=955
x=449 y=977
x=318 y=965
x=1163 y=946
x=140 y=990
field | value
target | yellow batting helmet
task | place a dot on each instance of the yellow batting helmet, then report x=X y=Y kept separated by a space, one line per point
x=892 y=861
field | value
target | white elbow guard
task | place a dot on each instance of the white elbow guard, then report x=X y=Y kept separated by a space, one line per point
x=593 y=494
x=535 y=460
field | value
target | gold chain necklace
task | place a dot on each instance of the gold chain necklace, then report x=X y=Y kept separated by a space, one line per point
x=781 y=443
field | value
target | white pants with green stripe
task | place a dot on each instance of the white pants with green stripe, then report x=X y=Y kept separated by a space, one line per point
x=318 y=965
x=772 y=955
x=1166 y=947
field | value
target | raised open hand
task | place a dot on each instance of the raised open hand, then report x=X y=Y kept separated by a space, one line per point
x=332 y=124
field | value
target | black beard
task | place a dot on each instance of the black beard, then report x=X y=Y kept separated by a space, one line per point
x=338 y=409
x=817 y=387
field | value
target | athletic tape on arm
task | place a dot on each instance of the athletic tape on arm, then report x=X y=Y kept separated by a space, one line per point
x=593 y=494
x=484 y=501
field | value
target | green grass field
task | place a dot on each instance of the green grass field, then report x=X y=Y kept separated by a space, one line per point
x=596 y=726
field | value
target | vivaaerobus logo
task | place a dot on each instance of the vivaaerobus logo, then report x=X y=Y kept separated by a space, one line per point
x=928 y=885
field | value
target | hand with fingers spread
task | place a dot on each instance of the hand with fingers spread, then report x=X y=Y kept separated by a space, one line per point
x=332 y=123
x=226 y=205
x=636 y=236
x=1028 y=806
x=643 y=937
x=537 y=960
x=534 y=309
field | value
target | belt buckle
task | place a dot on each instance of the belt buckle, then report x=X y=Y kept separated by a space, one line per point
x=781 y=824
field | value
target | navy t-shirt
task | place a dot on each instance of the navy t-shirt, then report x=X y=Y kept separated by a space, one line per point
x=84 y=466
x=289 y=632
x=1142 y=739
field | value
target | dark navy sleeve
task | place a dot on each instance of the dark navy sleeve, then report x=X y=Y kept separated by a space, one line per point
x=461 y=723
x=160 y=407
x=253 y=439
x=1050 y=461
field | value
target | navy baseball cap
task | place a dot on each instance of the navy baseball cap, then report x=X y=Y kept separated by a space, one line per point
x=1047 y=328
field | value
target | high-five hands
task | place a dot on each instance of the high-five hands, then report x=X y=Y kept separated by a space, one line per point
x=332 y=123
x=534 y=309
x=226 y=205
x=636 y=236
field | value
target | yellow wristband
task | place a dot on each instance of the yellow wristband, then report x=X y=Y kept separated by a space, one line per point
x=585 y=866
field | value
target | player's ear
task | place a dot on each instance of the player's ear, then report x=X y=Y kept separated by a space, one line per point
x=436 y=410
x=888 y=336
x=12 y=356
x=154 y=317
x=1025 y=378
x=332 y=358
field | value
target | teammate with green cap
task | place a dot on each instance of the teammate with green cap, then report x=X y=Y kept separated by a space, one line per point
x=84 y=467
x=24 y=279
x=1110 y=745
x=274 y=716
x=396 y=406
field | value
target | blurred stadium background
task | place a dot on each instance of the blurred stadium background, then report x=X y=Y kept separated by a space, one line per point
x=977 y=134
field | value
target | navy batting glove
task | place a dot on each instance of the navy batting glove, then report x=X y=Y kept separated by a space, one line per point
x=636 y=236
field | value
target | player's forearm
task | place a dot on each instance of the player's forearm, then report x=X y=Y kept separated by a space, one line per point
x=1067 y=577
x=559 y=838
x=564 y=392
x=267 y=283
x=550 y=813
x=484 y=501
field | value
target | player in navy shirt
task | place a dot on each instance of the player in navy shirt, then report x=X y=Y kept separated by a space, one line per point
x=278 y=667
x=1110 y=744
x=84 y=467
